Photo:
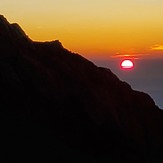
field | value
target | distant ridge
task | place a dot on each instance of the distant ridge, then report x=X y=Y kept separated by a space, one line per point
x=57 y=106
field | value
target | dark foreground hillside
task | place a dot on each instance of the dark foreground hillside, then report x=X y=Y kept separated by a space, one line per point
x=56 y=106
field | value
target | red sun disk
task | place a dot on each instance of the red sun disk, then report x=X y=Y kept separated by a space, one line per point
x=127 y=64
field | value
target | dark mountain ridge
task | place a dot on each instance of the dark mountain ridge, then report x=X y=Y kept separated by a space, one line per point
x=57 y=106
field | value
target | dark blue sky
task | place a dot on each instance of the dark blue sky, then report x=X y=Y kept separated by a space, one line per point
x=147 y=76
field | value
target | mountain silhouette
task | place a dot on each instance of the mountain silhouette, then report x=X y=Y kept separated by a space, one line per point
x=57 y=106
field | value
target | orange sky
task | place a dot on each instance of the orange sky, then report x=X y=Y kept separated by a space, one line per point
x=93 y=28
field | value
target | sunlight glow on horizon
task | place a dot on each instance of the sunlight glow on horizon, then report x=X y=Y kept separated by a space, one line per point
x=92 y=27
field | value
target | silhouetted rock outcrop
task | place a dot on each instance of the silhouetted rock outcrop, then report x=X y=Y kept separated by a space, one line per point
x=56 y=106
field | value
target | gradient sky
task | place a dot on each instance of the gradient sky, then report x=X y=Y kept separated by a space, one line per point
x=92 y=27
x=104 y=31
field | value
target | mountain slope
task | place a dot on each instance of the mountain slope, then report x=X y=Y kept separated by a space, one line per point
x=58 y=106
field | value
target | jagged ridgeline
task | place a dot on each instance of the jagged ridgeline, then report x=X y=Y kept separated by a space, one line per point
x=57 y=106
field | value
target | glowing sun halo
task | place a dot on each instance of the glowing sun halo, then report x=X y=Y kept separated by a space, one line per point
x=127 y=64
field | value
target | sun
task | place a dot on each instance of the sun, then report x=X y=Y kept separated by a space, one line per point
x=127 y=64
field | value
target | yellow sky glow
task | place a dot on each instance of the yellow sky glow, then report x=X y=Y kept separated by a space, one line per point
x=92 y=27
